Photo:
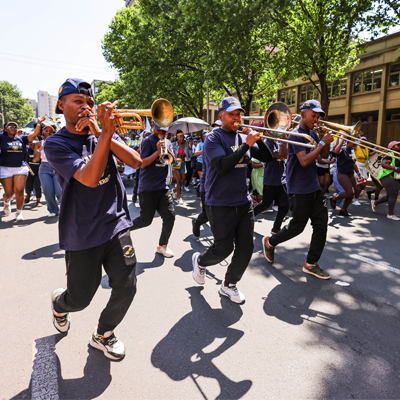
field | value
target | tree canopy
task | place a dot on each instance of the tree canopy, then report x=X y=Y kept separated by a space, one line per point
x=15 y=107
x=176 y=49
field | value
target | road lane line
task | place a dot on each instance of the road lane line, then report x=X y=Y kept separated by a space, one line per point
x=44 y=374
x=373 y=262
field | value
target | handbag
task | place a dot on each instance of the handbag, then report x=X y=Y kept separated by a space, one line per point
x=177 y=164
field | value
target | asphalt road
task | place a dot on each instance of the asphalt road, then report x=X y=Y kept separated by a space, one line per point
x=295 y=337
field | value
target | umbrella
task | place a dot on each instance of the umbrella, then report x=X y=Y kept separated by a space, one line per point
x=188 y=124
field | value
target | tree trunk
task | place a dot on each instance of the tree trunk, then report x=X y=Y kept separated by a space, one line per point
x=323 y=85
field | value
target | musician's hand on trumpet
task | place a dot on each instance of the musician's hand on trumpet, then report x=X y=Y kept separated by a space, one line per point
x=251 y=136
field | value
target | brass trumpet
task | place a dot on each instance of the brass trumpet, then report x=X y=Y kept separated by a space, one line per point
x=350 y=133
x=165 y=156
x=277 y=120
x=161 y=113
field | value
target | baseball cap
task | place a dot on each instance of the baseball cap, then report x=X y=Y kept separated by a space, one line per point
x=314 y=105
x=218 y=122
x=230 y=104
x=392 y=144
x=11 y=122
x=159 y=127
x=73 y=85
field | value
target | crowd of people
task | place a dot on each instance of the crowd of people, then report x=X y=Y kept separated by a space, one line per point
x=237 y=176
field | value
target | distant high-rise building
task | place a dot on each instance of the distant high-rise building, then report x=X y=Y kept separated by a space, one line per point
x=128 y=3
x=46 y=104
x=33 y=104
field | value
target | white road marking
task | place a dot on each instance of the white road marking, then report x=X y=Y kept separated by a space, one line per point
x=44 y=374
x=369 y=261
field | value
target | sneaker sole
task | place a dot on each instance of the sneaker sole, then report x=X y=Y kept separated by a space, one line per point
x=100 y=347
x=265 y=247
x=193 y=275
x=220 y=291
x=54 y=294
x=305 y=270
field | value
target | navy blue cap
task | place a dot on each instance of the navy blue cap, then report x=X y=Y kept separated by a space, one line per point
x=314 y=105
x=159 y=127
x=73 y=85
x=230 y=104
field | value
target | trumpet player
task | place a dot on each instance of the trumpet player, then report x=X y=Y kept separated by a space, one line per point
x=94 y=217
x=306 y=200
x=154 y=194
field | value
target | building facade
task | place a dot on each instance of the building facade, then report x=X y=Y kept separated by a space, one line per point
x=46 y=104
x=33 y=104
x=369 y=93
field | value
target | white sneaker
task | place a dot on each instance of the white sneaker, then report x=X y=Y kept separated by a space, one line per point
x=232 y=292
x=52 y=215
x=6 y=209
x=198 y=273
x=355 y=202
x=108 y=344
x=61 y=322
x=174 y=195
x=19 y=217
x=275 y=208
x=186 y=189
x=393 y=217
x=165 y=251
x=338 y=208
x=373 y=205
x=180 y=201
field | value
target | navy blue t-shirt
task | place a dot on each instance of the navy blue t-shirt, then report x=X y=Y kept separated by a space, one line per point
x=345 y=161
x=89 y=216
x=230 y=189
x=301 y=180
x=154 y=176
x=13 y=151
x=274 y=170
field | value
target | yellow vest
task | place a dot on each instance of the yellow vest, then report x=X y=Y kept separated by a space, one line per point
x=361 y=154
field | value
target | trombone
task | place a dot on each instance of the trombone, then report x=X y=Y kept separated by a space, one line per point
x=161 y=112
x=350 y=132
x=277 y=120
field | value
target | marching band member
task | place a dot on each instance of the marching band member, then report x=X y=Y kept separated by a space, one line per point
x=362 y=155
x=306 y=200
x=94 y=218
x=346 y=165
x=389 y=175
x=13 y=168
x=154 y=193
x=228 y=203
x=275 y=184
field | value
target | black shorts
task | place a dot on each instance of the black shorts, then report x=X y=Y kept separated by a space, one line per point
x=199 y=166
x=322 y=171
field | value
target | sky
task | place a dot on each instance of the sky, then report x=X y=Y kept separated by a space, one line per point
x=43 y=43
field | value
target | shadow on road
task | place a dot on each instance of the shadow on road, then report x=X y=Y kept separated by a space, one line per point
x=50 y=251
x=183 y=352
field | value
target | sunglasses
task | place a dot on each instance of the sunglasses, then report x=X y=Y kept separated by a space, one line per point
x=12 y=127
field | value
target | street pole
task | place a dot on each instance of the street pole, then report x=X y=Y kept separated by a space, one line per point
x=208 y=104
x=2 y=114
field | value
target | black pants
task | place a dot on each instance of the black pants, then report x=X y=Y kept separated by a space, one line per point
x=202 y=218
x=135 y=188
x=117 y=256
x=392 y=187
x=233 y=229
x=189 y=172
x=277 y=193
x=33 y=181
x=160 y=201
x=304 y=207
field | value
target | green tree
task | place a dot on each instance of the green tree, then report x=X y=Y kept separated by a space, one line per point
x=323 y=37
x=173 y=49
x=15 y=107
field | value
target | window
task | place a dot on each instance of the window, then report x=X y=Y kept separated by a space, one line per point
x=337 y=88
x=309 y=92
x=288 y=96
x=367 y=81
x=394 y=75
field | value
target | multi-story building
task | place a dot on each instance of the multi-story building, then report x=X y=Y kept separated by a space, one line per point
x=369 y=93
x=33 y=105
x=46 y=104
